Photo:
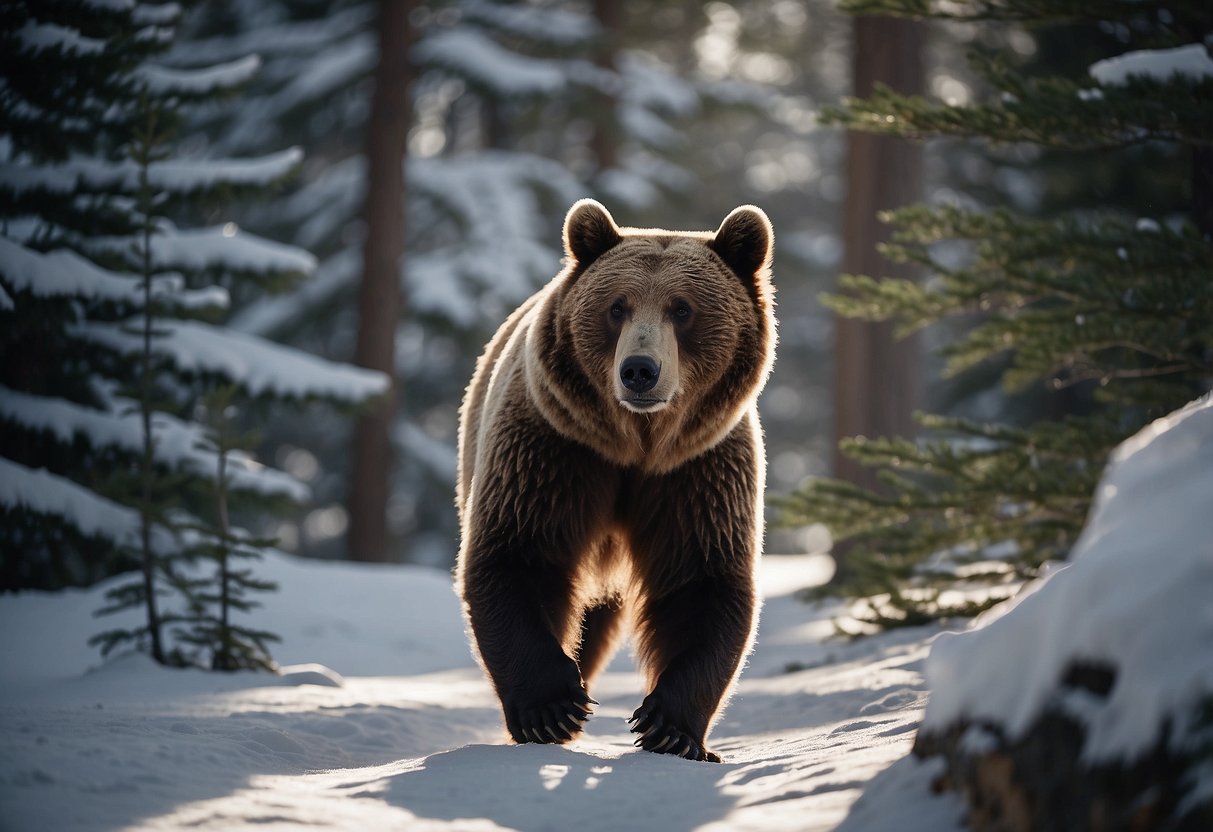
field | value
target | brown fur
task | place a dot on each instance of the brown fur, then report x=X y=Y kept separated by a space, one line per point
x=588 y=506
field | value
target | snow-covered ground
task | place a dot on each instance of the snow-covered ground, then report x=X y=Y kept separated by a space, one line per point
x=409 y=736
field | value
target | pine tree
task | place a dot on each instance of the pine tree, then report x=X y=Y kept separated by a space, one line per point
x=113 y=311
x=1116 y=306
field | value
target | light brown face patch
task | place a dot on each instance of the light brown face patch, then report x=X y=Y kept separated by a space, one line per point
x=645 y=371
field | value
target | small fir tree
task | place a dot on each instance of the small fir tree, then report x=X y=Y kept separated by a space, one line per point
x=214 y=600
x=1117 y=307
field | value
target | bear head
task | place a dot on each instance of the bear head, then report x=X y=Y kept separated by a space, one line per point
x=659 y=340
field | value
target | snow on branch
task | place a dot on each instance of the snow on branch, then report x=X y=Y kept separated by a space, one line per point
x=191 y=175
x=328 y=71
x=266 y=315
x=472 y=55
x=549 y=24
x=41 y=37
x=177 y=176
x=259 y=366
x=62 y=273
x=177 y=443
x=156 y=14
x=41 y=492
x=647 y=84
x=326 y=67
x=505 y=249
x=65 y=274
x=320 y=207
x=223 y=246
x=163 y=80
x=1188 y=62
x=303 y=37
x=110 y=5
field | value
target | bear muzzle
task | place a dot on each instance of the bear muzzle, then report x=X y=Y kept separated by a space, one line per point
x=638 y=385
x=639 y=373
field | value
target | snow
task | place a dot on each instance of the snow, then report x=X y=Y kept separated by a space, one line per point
x=62 y=273
x=1190 y=62
x=42 y=492
x=176 y=442
x=329 y=71
x=223 y=247
x=38 y=37
x=190 y=175
x=473 y=55
x=157 y=14
x=414 y=732
x=180 y=176
x=547 y=23
x=648 y=84
x=304 y=37
x=266 y=315
x=163 y=80
x=1136 y=595
x=259 y=366
x=324 y=204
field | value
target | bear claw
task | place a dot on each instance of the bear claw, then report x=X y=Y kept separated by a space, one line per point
x=661 y=737
x=554 y=723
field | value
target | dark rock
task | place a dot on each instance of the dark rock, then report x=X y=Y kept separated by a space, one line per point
x=1040 y=783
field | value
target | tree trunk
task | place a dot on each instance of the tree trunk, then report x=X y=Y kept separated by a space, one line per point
x=876 y=377
x=379 y=295
x=605 y=140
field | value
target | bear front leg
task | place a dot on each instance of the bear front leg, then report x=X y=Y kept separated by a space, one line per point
x=515 y=609
x=692 y=641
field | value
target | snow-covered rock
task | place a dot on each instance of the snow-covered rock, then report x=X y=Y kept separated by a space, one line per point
x=1092 y=693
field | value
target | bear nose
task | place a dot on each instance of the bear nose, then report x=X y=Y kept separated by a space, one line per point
x=639 y=373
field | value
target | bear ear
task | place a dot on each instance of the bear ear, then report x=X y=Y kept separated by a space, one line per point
x=589 y=232
x=744 y=242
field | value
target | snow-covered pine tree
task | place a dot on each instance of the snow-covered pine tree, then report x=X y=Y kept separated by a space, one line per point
x=1118 y=306
x=109 y=310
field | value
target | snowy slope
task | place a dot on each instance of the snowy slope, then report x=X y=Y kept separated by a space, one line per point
x=1136 y=596
x=412 y=740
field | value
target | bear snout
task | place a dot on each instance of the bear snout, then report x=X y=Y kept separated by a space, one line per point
x=639 y=373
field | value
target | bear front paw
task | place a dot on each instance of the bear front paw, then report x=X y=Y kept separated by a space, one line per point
x=660 y=733
x=554 y=712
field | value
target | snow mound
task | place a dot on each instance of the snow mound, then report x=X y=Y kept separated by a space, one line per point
x=1136 y=596
x=1190 y=62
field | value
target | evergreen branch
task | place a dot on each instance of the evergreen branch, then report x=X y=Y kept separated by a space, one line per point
x=1178 y=20
x=1050 y=112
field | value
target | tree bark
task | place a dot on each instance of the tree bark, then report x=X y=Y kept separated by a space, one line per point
x=876 y=376
x=605 y=140
x=379 y=296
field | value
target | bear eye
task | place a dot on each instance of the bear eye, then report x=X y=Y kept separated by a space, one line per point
x=682 y=312
x=617 y=311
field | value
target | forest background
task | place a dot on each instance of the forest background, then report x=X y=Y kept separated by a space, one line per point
x=382 y=183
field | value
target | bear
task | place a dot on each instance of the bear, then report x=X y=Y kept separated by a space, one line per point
x=611 y=474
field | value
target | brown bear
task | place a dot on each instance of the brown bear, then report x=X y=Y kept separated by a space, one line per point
x=611 y=474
